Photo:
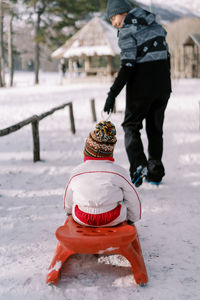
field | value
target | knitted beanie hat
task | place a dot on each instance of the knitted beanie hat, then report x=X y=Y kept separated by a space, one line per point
x=101 y=141
x=115 y=7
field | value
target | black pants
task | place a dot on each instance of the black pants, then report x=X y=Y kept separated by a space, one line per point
x=152 y=110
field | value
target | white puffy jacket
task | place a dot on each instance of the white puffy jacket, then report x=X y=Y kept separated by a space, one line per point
x=98 y=186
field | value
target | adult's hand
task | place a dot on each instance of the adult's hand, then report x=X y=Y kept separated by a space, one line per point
x=110 y=102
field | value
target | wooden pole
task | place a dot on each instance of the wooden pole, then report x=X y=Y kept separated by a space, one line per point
x=10 y=49
x=25 y=122
x=87 y=65
x=70 y=67
x=37 y=48
x=94 y=116
x=17 y=126
x=2 y=58
x=50 y=112
x=114 y=108
x=36 y=140
x=197 y=61
x=71 y=115
x=34 y=120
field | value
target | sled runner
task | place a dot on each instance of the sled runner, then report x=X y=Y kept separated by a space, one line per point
x=74 y=238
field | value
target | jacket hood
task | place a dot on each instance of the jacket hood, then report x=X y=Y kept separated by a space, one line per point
x=143 y=17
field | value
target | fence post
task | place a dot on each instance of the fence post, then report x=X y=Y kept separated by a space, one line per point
x=36 y=140
x=114 y=108
x=71 y=115
x=94 y=116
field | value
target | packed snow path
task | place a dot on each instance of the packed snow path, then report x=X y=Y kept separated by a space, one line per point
x=31 y=199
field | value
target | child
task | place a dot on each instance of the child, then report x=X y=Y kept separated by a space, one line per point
x=99 y=192
x=145 y=69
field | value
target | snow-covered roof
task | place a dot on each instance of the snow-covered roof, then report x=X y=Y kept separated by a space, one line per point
x=97 y=37
x=171 y=9
x=193 y=38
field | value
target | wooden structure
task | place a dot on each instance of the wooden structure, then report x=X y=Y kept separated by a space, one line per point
x=192 y=55
x=34 y=120
x=183 y=40
x=94 y=46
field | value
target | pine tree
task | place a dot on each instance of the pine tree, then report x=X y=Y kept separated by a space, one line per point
x=50 y=17
x=65 y=14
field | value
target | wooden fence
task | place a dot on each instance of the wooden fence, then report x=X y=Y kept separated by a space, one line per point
x=34 y=120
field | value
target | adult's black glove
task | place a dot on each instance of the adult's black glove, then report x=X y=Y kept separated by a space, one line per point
x=110 y=102
x=123 y=76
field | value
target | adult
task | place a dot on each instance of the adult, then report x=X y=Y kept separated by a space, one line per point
x=145 y=70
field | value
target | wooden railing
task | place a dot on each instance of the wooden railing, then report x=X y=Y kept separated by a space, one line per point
x=34 y=120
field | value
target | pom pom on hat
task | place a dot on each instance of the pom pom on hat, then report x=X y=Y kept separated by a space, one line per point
x=105 y=132
x=101 y=141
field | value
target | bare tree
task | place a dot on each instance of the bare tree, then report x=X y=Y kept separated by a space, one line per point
x=10 y=47
x=2 y=61
x=36 y=8
x=39 y=10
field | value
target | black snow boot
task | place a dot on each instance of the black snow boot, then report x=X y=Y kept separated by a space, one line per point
x=155 y=172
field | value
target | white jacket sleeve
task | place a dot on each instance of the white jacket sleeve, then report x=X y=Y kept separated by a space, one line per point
x=131 y=199
x=68 y=198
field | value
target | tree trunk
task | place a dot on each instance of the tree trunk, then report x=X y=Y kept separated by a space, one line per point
x=37 y=48
x=2 y=70
x=10 y=49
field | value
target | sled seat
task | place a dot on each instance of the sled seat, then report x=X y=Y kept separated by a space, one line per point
x=74 y=238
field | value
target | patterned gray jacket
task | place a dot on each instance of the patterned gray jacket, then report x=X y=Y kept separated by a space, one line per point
x=145 y=58
x=142 y=39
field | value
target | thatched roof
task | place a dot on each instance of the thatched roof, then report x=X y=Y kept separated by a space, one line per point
x=192 y=39
x=97 y=37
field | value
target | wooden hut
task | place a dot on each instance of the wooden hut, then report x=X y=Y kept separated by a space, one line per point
x=94 y=47
x=192 y=55
x=184 y=47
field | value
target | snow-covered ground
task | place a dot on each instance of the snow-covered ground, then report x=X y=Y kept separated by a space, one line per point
x=31 y=198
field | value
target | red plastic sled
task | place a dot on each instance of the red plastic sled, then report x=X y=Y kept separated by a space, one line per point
x=74 y=238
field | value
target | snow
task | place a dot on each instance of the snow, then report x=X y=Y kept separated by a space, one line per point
x=183 y=6
x=88 y=51
x=56 y=267
x=168 y=11
x=31 y=197
x=108 y=249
